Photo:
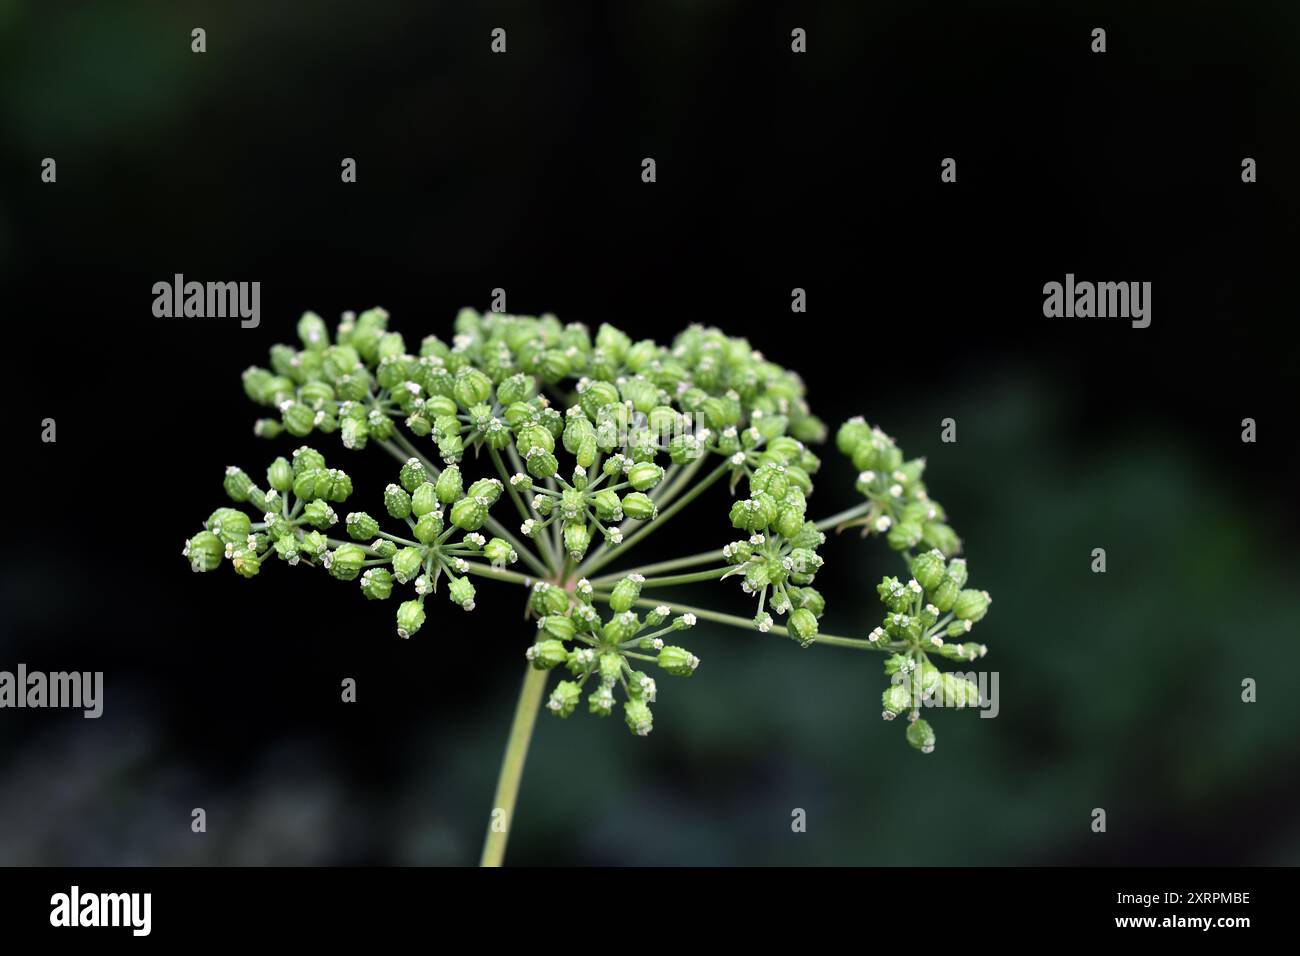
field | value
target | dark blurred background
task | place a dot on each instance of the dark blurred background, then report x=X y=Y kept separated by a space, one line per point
x=522 y=171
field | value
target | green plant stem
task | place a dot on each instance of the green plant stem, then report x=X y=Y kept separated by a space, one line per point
x=673 y=485
x=674 y=579
x=549 y=556
x=512 y=766
x=857 y=511
x=498 y=574
x=704 y=557
x=743 y=622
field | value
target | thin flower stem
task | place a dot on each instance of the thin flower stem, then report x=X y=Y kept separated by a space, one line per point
x=338 y=542
x=673 y=485
x=498 y=574
x=743 y=622
x=544 y=542
x=598 y=561
x=675 y=579
x=704 y=557
x=512 y=766
x=857 y=511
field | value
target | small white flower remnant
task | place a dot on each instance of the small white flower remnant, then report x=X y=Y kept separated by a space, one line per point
x=476 y=539
x=584 y=588
x=616 y=536
x=914 y=586
x=757 y=540
x=649 y=688
x=867 y=477
x=934 y=611
x=328 y=560
x=657 y=643
x=585 y=657
x=883 y=523
x=738 y=459
x=461 y=565
x=423 y=585
x=686 y=620
x=936 y=640
x=603 y=698
x=518 y=478
x=527 y=528
x=764 y=622
x=896 y=490
x=876 y=636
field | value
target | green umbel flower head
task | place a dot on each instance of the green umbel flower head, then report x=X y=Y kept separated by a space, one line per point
x=595 y=440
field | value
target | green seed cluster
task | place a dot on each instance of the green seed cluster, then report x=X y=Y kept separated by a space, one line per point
x=600 y=652
x=779 y=559
x=298 y=511
x=932 y=611
x=288 y=518
x=902 y=509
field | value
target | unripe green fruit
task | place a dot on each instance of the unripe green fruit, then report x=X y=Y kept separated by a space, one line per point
x=678 y=661
x=448 y=488
x=803 y=625
x=644 y=475
x=425 y=499
x=636 y=713
x=921 y=736
x=564 y=699
x=410 y=618
x=971 y=605
x=205 y=551
x=625 y=593
x=280 y=475
x=407 y=563
x=346 y=561
x=928 y=569
x=397 y=502
x=429 y=527
x=468 y=514
x=638 y=506
x=546 y=655
x=361 y=527
x=462 y=591
x=376 y=584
